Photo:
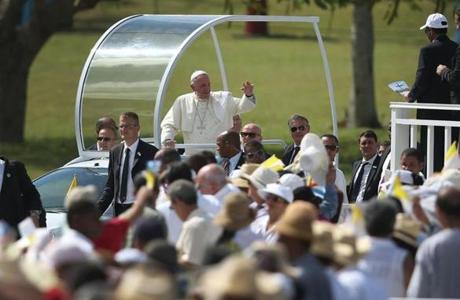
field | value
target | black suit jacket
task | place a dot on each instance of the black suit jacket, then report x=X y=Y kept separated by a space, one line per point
x=144 y=153
x=287 y=154
x=428 y=86
x=18 y=195
x=373 y=179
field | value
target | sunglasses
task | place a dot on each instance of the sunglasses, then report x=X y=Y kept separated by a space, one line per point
x=331 y=147
x=248 y=134
x=105 y=139
x=300 y=128
x=252 y=154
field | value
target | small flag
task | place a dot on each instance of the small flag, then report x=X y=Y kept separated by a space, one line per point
x=273 y=163
x=150 y=178
x=73 y=184
x=397 y=190
x=451 y=159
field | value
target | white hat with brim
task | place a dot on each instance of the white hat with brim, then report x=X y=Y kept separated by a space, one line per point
x=292 y=181
x=436 y=21
x=261 y=177
x=279 y=190
x=313 y=159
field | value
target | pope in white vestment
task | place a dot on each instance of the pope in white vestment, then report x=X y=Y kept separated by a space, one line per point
x=202 y=115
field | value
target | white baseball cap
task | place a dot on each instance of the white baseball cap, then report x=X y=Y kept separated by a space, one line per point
x=436 y=20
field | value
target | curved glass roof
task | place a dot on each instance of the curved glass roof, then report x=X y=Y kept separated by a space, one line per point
x=130 y=67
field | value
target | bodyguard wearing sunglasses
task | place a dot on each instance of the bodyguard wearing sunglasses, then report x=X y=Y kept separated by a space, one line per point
x=299 y=127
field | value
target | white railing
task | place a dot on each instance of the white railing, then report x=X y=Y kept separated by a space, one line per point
x=404 y=128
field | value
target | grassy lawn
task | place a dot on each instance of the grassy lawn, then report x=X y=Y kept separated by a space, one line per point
x=285 y=67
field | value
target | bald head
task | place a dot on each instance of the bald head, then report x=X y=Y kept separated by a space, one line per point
x=448 y=207
x=251 y=132
x=210 y=179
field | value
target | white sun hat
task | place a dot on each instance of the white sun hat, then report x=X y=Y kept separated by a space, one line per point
x=436 y=20
x=313 y=158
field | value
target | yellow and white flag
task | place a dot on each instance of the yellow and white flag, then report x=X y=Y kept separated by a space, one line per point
x=73 y=184
x=452 y=159
x=273 y=163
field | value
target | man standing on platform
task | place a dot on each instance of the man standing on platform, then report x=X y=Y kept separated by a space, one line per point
x=202 y=115
x=126 y=161
x=428 y=86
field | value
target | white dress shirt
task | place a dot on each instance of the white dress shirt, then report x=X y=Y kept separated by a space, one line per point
x=367 y=170
x=2 y=170
x=130 y=187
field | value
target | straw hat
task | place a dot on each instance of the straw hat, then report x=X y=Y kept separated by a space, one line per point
x=236 y=213
x=349 y=248
x=142 y=283
x=272 y=258
x=406 y=229
x=246 y=169
x=292 y=181
x=323 y=240
x=313 y=158
x=279 y=190
x=237 y=276
x=261 y=177
x=296 y=222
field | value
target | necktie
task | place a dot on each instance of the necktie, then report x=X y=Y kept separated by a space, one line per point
x=124 y=177
x=226 y=165
x=357 y=183
x=294 y=153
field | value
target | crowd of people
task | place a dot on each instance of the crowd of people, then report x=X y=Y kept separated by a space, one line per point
x=238 y=223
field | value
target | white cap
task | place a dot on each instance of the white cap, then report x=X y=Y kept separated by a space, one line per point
x=292 y=181
x=196 y=74
x=279 y=190
x=436 y=20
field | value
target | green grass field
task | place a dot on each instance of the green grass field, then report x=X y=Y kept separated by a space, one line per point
x=285 y=67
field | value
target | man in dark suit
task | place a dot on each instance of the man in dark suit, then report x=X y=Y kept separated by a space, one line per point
x=229 y=149
x=366 y=172
x=299 y=127
x=428 y=87
x=19 y=198
x=126 y=160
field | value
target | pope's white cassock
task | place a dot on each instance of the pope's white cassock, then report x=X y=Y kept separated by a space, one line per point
x=202 y=121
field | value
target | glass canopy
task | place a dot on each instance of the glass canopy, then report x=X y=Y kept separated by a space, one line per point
x=130 y=67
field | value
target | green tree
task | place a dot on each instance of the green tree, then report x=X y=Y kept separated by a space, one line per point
x=25 y=26
x=362 y=39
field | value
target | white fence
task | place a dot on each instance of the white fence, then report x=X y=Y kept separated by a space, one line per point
x=404 y=128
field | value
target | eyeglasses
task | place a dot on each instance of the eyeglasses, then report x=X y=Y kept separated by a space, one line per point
x=300 y=128
x=252 y=154
x=103 y=138
x=127 y=126
x=248 y=134
x=331 y=147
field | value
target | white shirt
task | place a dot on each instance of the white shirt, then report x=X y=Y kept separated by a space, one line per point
x=234 y=161
x=130 y=187
x=207 y=203
x=2 y=170
x=367 y=170
x=225 y=190
x=198 y=233
x=259 y=228
x=385 y=261
x=215 y=114
x=359 y=285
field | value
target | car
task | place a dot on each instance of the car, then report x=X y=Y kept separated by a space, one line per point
x=54 y=186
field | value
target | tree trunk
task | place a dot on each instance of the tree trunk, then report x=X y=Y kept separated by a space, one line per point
x=256 y=7
x=362 y=111
x=14 y=70
x=25 y=26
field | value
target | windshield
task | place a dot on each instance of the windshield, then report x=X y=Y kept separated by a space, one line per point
x=53 y=187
